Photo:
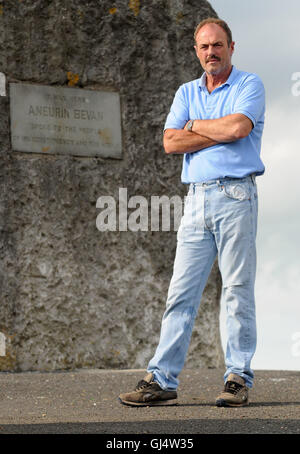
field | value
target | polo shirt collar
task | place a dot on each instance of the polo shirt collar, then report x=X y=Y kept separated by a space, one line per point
x=232 y=76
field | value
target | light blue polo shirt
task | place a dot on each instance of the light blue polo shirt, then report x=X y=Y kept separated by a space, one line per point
x=242 y=93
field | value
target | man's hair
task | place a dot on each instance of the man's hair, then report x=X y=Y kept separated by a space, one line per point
x=220 y=22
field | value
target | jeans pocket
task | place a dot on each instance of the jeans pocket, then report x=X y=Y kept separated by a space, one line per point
x=237 y=191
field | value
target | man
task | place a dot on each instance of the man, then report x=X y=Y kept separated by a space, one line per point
x=216 y=122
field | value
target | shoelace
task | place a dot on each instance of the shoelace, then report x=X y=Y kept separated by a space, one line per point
x=232 y=387
x=142 y=384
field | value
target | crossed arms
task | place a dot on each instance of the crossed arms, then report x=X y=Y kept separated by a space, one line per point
x=207 y=133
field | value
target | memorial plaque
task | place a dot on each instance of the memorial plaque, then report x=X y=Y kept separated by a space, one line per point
x=61 y=120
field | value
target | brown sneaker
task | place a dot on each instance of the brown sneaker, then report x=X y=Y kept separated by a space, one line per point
x=148 y=393
x=235 y=393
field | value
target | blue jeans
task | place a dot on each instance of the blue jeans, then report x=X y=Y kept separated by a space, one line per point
x=220 y=219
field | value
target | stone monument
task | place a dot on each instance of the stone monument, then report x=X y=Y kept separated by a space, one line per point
x=85 y=90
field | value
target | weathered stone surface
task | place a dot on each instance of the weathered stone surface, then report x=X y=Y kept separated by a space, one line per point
x=72 y=296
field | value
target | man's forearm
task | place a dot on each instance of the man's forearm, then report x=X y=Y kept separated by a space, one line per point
x=183 y=141
x=225 y=129
x=207 y=133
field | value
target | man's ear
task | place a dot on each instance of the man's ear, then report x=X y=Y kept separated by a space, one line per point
x=232 y=47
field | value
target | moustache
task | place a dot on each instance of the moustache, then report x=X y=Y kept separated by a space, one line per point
x=212 y=57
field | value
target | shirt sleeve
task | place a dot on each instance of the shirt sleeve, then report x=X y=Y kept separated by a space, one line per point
x=179 y=112
x=251 y=99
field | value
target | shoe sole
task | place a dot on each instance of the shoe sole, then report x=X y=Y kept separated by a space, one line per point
x=224 y=403
x=157 y=403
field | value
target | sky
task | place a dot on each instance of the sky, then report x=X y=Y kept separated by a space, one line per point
x=267 y=43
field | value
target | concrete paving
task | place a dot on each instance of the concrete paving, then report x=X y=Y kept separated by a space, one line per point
x=85 y=402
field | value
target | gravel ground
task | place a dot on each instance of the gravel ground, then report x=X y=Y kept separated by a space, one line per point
x=85 y=402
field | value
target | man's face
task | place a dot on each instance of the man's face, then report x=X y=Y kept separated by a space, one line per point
x=212 y=49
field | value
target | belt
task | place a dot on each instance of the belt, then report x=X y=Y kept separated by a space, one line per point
x=225 y=179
